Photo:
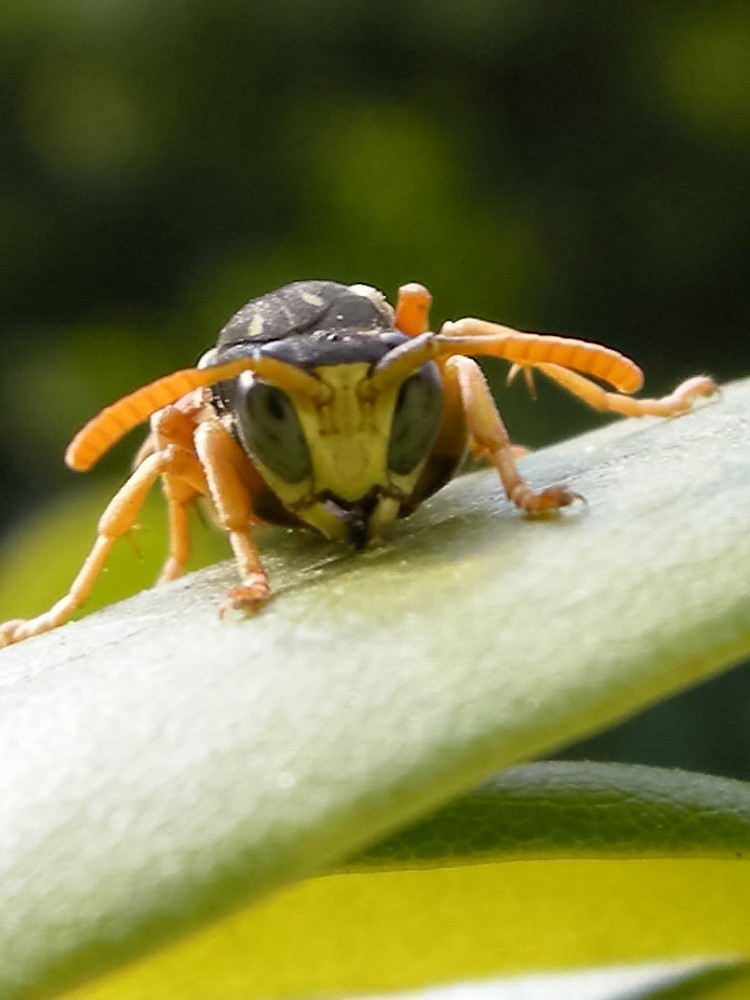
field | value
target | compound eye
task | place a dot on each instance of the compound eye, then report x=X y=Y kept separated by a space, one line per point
x=416 y=419
x=271 y=431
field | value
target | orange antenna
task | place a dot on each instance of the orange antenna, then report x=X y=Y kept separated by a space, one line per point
x=477 y=337
x=104 y=430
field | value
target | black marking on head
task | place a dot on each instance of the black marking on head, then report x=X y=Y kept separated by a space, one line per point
x=307 y=324
x=308 y=351
x=355 y=514
x=333 y=347
x=303 y=308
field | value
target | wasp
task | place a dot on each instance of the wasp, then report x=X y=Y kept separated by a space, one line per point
x=322 y=406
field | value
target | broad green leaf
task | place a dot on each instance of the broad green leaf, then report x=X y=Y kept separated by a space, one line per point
x=373 y=933
x=571 y=903
x=566 y=810
x=161 y=769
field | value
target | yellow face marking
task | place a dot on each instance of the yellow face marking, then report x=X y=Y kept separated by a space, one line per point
x=348 y=437
x=313 y=300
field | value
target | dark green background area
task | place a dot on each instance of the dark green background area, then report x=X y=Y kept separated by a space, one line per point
x=577 y=167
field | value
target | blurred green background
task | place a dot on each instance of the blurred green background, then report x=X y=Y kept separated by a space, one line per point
x=577 y=167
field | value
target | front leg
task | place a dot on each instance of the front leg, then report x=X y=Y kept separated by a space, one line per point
x=117 y=520
x=489 y=439
x=223 y=461
x=175 y=425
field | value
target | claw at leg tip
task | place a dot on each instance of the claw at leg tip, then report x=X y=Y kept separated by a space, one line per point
x=244 y=601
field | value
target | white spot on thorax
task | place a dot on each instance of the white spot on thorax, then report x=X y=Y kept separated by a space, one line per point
x=255 y=326
x=373 y=294
x=207 y=359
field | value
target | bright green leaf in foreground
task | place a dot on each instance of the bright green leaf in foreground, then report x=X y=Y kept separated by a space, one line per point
x=573 y=901
x=373 y=933
x=162 y=769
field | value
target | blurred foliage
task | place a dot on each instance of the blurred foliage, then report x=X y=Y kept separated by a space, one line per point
x=576 y=167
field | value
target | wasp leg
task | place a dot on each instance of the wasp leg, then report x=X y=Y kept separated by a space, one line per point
x=175 y=425
x=117 y=519
x=223 y=462
x=179 y=530
x=679 y=401
x=489 y=439
x=148 y=447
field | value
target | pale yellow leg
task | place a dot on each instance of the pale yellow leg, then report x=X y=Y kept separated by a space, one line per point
x=679 y=401
x=173 y=426
x=117 y=519
x=489 y=439
x=222 y=460
x=179 y=538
